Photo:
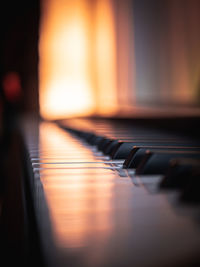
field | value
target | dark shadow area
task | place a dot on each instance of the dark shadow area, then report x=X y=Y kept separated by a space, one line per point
x=19 y=31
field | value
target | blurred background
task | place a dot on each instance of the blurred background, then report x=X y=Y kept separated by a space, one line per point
x=100 y=57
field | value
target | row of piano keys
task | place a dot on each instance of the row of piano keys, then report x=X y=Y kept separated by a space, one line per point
x=112 y=194
x=149 y=152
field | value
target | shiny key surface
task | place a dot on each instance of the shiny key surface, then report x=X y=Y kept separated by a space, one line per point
x=92 y=212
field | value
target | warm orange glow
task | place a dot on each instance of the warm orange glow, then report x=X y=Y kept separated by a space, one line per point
x=97 y=58
x=77 y=59
x=106 y=58
x=65 y=82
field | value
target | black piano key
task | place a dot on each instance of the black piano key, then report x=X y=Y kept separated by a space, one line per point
x=103 y=143
x=95 y=140
x=87 y=136
x=110 y=146
x=158 y=162
x=191 y=191
x=179 y=173
x=134 y=158
x=122 y=150
x=137 y=153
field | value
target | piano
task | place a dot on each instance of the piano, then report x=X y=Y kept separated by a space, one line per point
x=118 y=189
x=115 y=192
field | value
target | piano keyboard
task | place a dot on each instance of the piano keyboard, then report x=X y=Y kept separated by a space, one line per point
x=109 y=194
